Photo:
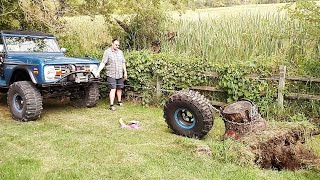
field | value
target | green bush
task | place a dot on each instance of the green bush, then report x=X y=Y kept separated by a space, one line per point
x=176 y=73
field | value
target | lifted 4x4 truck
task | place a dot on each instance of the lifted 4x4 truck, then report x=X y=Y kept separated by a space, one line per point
x=33 y=67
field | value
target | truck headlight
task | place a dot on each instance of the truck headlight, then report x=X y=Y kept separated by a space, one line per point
x=49 y=72
x=93 y=68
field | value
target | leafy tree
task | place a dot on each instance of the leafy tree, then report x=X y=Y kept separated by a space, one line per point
x=137 y=22
x=308 y=12
x=33 y=14
x=11 y=15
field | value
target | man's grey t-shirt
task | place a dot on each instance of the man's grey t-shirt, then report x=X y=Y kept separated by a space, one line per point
x=114 y=61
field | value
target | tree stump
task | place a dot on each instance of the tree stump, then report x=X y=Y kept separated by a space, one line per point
x=240 y=118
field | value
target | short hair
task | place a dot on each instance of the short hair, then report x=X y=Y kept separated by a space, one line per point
x=115 y=39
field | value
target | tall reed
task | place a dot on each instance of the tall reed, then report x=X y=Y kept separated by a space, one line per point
x=246 y=37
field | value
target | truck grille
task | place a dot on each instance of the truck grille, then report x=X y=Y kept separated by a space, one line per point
x=63 y=69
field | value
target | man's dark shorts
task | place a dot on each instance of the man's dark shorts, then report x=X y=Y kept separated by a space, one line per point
x=115 y=83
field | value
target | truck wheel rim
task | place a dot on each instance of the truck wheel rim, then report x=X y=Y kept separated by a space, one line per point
x=18 y=102
x=184 y=118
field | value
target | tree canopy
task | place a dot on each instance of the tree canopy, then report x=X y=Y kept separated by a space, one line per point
x=138 y=21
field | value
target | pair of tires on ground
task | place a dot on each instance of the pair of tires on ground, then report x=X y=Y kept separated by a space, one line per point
x=25 y=100
x=188 y=113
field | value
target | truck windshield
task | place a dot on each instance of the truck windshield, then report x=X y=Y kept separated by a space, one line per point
x=31 y=44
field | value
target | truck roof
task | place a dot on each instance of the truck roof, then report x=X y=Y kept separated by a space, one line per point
x=31 y=33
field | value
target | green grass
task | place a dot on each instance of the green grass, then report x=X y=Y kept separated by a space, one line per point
x=244 y=37
x=258 y=34
x=221 y=12
x=70 y=143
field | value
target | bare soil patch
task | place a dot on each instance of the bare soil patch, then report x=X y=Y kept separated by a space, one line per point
x=285 y=151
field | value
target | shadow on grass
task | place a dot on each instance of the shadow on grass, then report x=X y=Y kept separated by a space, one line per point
x=3 y=99
x=48 y=104
x=55 y=104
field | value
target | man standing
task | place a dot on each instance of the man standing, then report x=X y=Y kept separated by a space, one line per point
x=115 y=64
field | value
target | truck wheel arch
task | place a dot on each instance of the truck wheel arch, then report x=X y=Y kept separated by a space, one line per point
x=22 y=74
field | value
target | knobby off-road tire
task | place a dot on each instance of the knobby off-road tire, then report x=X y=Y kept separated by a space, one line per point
x=24 y=101
x=188 y=113
x=90 y=97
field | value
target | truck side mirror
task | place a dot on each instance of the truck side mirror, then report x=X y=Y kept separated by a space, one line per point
x=63 y=50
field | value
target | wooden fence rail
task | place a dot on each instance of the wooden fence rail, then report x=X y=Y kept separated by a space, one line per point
x=282 y=78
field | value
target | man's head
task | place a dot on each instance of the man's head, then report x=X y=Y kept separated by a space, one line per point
x=115 y=44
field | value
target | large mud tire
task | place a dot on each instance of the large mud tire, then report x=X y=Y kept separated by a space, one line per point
x=89 y=98
x=24 y=101
x=188 y=113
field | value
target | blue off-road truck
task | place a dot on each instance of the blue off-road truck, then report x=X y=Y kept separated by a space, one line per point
x=34 y=67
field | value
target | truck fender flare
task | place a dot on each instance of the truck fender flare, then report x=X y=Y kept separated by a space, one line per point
x=33 y=79
x=29 y=72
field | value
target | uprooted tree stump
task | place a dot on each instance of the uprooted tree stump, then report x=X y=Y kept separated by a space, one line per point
x=240 y=118
x=274 y=148
x=238 y=112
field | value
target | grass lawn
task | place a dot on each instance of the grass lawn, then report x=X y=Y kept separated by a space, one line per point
x=70 y=143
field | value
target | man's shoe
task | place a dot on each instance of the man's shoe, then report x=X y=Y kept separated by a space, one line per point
x=112 y=108
x=120 y=104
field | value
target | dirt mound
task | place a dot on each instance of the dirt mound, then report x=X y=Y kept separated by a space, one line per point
x=275 y=147
x=285 y=151
x=203 y=150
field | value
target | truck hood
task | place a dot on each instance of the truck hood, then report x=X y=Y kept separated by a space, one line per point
x=51 y=60
x=69 y=60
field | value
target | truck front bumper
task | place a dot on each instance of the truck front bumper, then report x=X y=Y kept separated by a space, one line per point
x=76 y=78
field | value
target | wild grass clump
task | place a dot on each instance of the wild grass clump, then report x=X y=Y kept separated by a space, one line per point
x=270 y=38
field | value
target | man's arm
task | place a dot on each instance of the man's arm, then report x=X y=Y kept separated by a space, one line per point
x=125 y=75
x=102 y=64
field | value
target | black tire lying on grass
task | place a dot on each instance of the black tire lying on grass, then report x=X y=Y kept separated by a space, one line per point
x=24 y=101
x=188 y=113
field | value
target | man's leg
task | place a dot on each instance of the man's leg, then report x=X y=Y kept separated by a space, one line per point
x=119 y=93
x=112 y=95
x=120 y=85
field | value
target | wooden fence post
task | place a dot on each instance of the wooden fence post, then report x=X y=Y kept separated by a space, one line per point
x=158 y=87
x=282 y=78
